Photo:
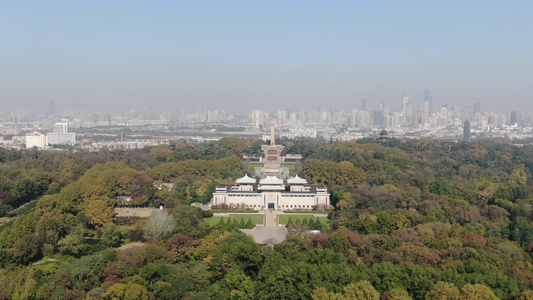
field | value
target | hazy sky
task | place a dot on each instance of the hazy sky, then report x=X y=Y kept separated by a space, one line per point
x=240 y=55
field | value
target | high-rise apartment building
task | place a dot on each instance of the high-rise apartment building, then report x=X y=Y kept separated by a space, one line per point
x=61 y=135
x=258 y=119
x=282 y=115
x=427 y=108
x=405 y=103
x=407 y=112
x=425 y=112
x=60 y=127
x=377 y=118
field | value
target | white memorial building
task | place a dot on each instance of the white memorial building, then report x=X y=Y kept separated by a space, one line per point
x=271 y=194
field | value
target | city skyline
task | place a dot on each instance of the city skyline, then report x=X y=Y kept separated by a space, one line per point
x=424 y=104
x=213 y=55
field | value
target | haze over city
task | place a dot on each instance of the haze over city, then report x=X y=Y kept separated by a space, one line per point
x=242 y=55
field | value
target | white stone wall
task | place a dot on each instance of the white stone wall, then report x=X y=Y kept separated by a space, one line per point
x=298 y=201
x=253 y=200
x=280 y=200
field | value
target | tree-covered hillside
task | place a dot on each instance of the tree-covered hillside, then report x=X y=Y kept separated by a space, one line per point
x=413 y=219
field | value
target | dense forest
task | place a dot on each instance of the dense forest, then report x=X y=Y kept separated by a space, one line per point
x=413 y=219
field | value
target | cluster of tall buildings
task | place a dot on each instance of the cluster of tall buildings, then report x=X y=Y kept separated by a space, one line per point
x=406 y=116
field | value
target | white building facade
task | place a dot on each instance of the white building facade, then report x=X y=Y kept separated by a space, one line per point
x=61 y=135
x=36 y=139
x=271 y=194
x=61 y=138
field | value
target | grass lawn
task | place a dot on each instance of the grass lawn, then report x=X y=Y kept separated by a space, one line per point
x=283 y=219
x=290 y=166
x=256 y=218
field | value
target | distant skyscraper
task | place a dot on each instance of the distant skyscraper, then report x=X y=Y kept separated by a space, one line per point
x=477 y=108
x=377 y=118
x=429 y=101
x=282 y=115
x=381 y=106
x=51 y=107
x=466 y=131
x=363 y=104
x=514 y=117
x=407 y=112
x=416 y=118
x=107 y=118
x=443 y=121
x=427 y=108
